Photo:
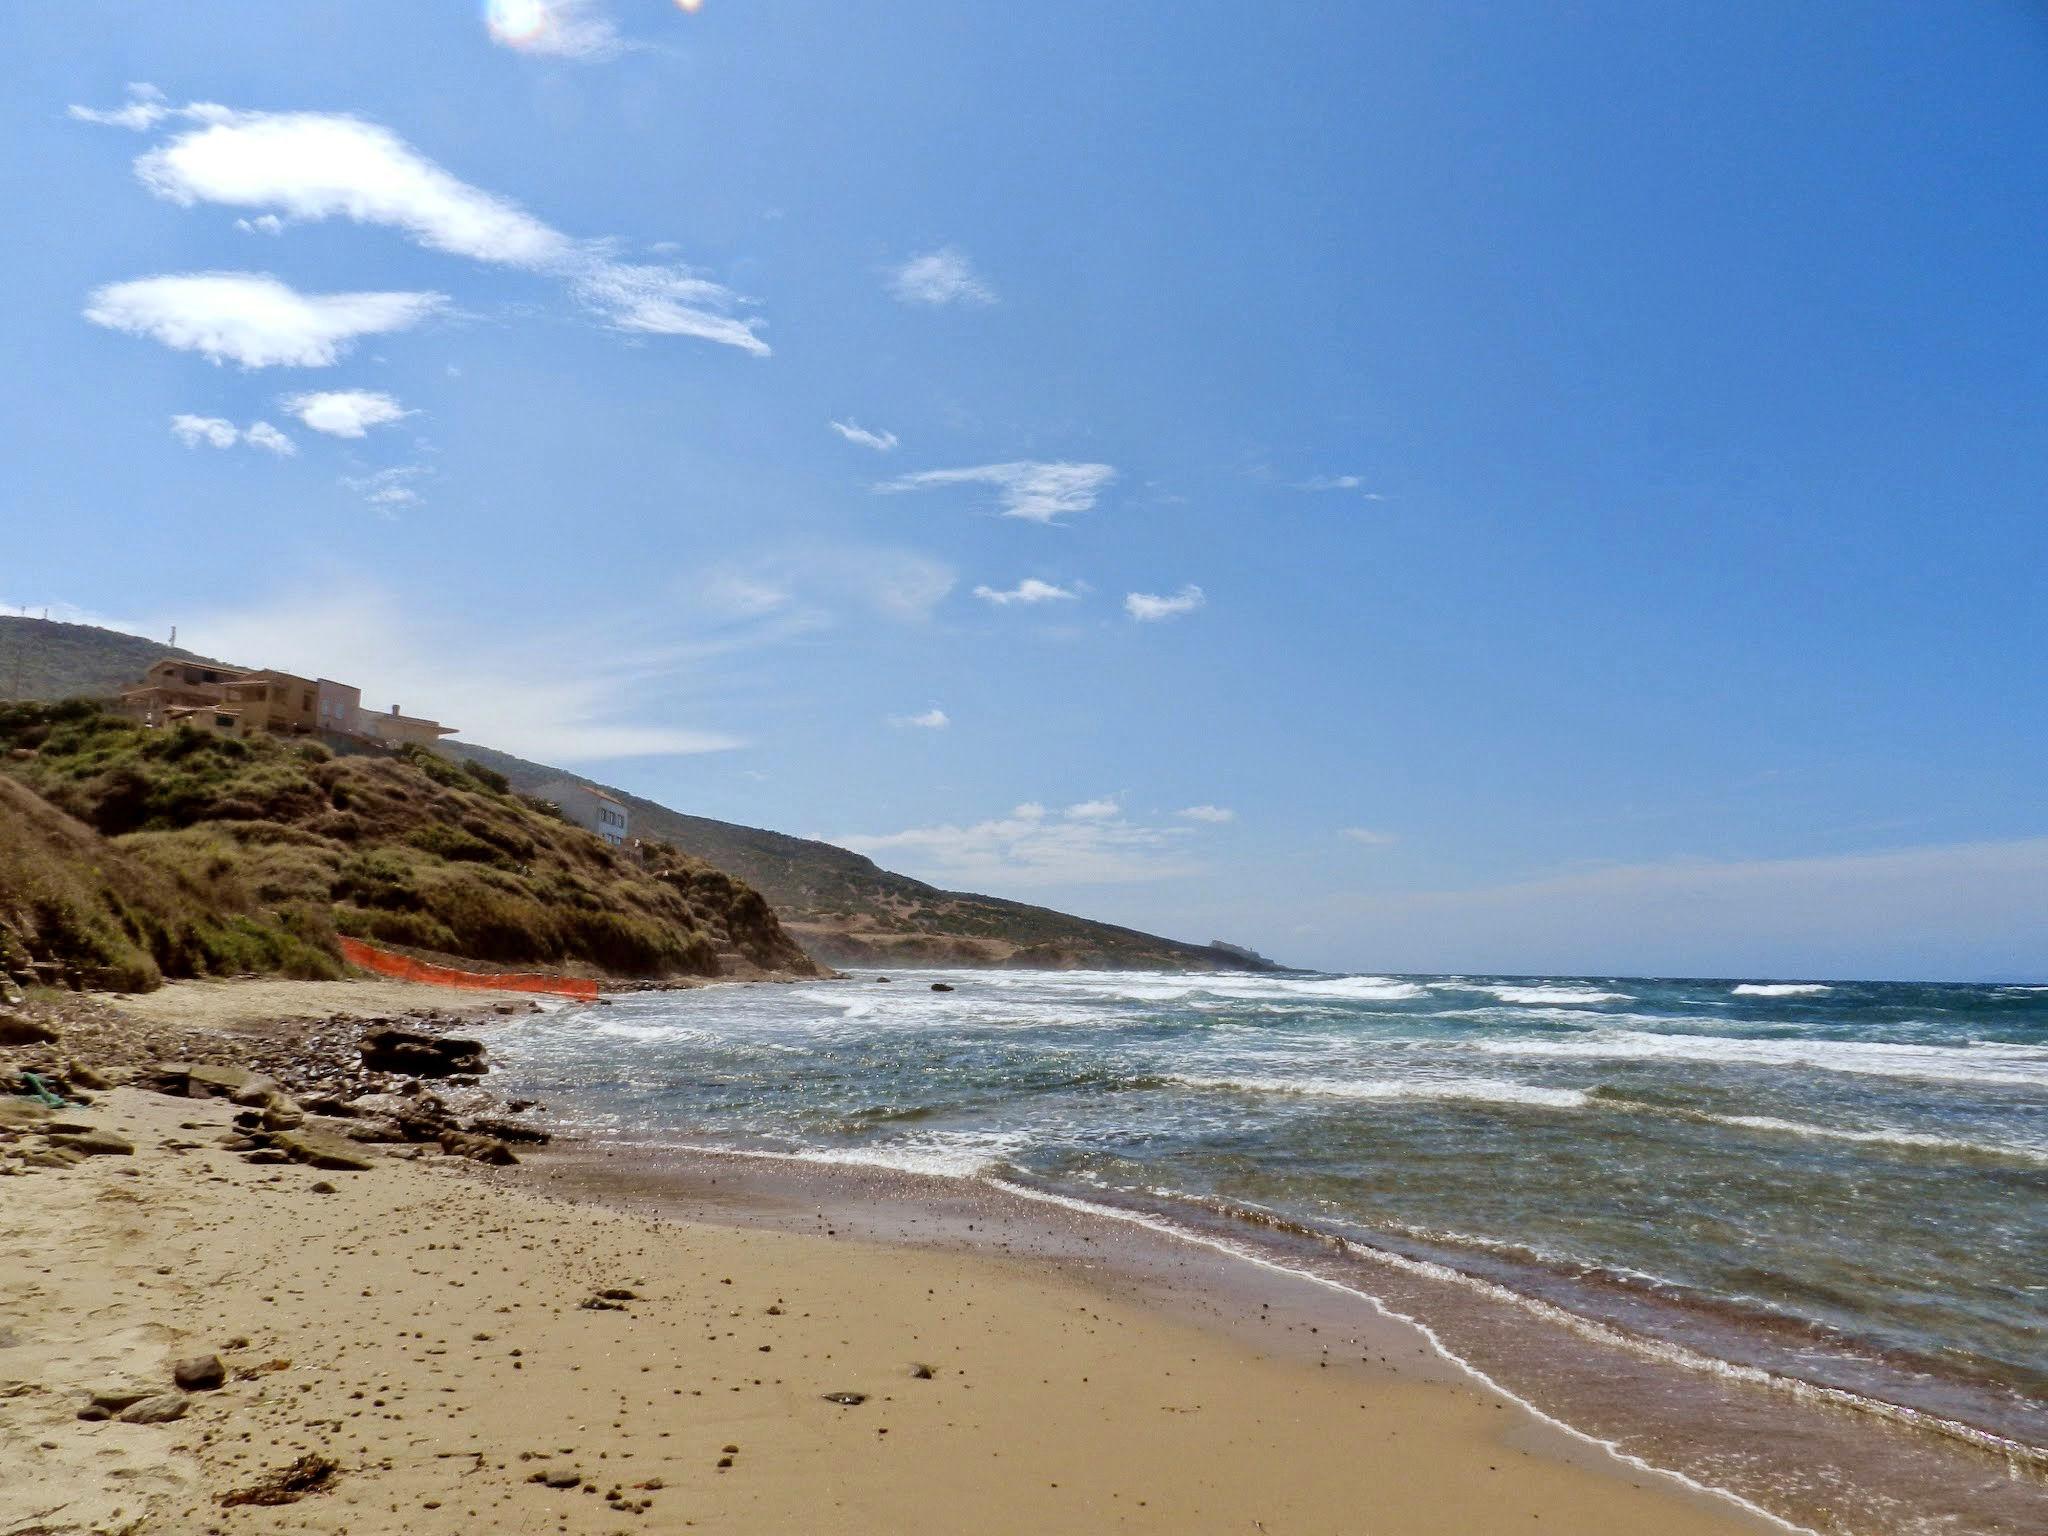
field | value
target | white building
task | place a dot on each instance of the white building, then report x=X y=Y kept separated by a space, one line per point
x=590 y=807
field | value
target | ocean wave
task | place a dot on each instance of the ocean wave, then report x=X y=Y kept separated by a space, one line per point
x=2005 y=1065
x=1534 y=996
x=948 y=1154
x=1478 y=1090
x=1360 y=989
x=1779 y=989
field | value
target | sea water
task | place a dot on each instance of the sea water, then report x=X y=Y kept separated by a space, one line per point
x=1842 y=1185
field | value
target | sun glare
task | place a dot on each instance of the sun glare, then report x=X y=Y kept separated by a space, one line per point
x=516 y=21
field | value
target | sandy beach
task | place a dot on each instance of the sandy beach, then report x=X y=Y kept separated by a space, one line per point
x=472 y=1350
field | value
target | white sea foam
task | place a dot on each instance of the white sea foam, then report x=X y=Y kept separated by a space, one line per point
x=949 y=1154
x=1534 y=996
x=1479 y=1090
x=1351 y=989
x=1779 y=989
x=1890 y=1137
x=2005 y=1065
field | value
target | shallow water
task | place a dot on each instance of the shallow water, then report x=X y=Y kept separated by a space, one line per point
x=1843 y=1184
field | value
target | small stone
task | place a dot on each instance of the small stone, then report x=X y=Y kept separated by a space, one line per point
x=846 y=1399
x=202 y=1373
x=161 y=1409
x=112 y=1399
x=21 y=1029
x=324 y=1188
x=94 y=1143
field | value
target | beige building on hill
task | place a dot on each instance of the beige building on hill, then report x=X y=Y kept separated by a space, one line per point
x=238 y=703
x=396 y=730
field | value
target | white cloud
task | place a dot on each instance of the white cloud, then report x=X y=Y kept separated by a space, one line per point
x=143 y=110
x=308 y=166
x=194 y=430
x=263 y=435
x=318 y=165
x=1095 y=810
x=563 y=29
x=1216 y=815
x=1150 y=608
x=1036 y=491
x=1032 y=847
x=1367 y=837
x=262 y=224
x=933 y=719
x=251 y=318
x=944 y=276
x=1029 y=591
x=881 y=442
x=345 y=412
x=219 y=432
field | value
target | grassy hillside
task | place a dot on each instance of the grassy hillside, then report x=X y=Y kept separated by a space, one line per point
x=847 y=910
x=44 y=660
x=842 y=907
x=206 y=854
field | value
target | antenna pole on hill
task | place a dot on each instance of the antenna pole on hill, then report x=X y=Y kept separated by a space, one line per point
x=174 y=634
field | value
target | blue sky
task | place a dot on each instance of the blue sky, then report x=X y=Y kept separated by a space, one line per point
x=1438 y=486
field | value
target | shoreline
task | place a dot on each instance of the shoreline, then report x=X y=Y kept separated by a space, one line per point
x=1278 y=1309
x=435 y=1329
x=1472 y=1331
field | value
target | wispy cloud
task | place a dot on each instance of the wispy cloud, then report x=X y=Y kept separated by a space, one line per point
x=1216 y=815
x=562 y=29
x=1151 y=608
x=389 y=489
x=944 y=276
x=345 y=412
x=252 y=318
x=853 y=432
x=1034 y=490
x=1105 y=809
x=309 y=166
x=814 y=586
x=933 y=719
x=1367 y=837
x=143 y=110
x=1339 y=483
x=218 y=432
x=1028 y=591
x=1032 y=846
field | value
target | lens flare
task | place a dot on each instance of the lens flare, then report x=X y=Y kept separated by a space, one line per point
x=692 y=6
x=516 y=21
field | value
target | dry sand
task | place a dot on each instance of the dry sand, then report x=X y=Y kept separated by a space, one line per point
x=252 y=1001
x=422 y=1325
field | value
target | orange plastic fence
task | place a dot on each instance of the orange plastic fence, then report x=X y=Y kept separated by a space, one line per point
x=405 y=968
